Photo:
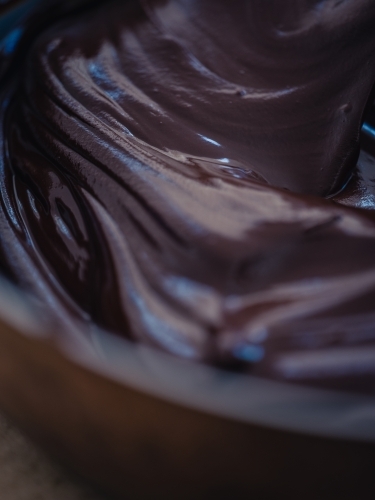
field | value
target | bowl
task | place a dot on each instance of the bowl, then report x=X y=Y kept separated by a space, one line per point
x=142 y=424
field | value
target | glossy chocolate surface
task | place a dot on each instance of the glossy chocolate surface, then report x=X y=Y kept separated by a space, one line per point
x=169 y=171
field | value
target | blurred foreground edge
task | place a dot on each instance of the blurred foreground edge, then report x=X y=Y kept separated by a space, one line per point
x=135 y=445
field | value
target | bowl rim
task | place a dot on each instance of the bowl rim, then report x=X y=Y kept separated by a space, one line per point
x=237 y=397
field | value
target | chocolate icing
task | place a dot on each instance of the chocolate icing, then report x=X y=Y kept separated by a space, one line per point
x=182 y=173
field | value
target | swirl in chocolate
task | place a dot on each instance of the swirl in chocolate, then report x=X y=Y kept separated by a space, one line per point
x=168 y=172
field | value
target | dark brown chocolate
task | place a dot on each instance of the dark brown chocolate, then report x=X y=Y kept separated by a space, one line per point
x=169 y=171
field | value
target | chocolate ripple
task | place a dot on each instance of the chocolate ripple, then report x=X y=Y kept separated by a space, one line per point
x=168 y=172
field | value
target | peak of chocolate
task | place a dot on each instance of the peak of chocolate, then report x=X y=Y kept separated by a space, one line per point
x=281 y=89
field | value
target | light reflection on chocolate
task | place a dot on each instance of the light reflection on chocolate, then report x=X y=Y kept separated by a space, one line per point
x=167 y=174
